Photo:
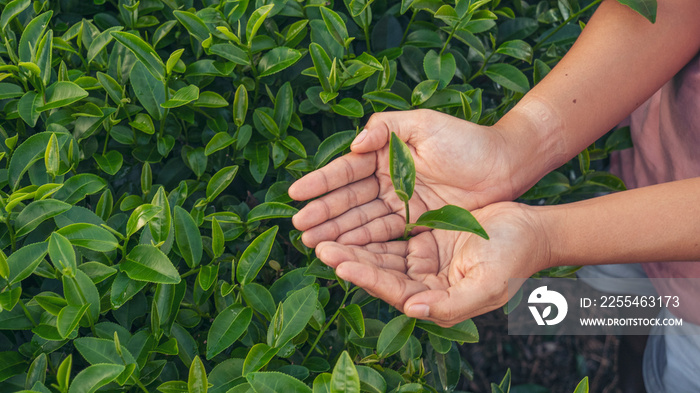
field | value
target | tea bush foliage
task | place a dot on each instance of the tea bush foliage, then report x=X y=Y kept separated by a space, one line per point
x=146 y=149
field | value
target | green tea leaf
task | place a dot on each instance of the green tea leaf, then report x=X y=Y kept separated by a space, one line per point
x=68 y=319
x=197 y=379
x=259 y=298
x=240 y=105
x=508 y=76
x=89 y=236
x=76 y=188
x=269 y=210
x=345 y=378
x=140 y=217
x=37 y=212
x=160 y=224
x=322 y=64
x=197 y=28
x=101 y=41
x=24 y=261
x=210 y=99
x=275 y=382
x=518 y=49
x=144 y=52
x=187 y=236
x=182 y=97
x=388 y=99
x=227 y=327
x=254 y=256
x=110 y=162
x=32 y=35
x=219 y=141
x=62 y=93
x=220 y=181
x=217 y=238
x=62 y=254
x=402 y=170
x=256 y=20
x=352 y=314
x=646 y=8
x=295 y=313
x=451 y=218
x=423 y=91
x=463 y=332
x=148 y=263
x=11 y=10
x=349 y=107
x=94 y=377
x=258 y=357
x=148 y=89
x=331 y=146
x=335 y=25
x=582 y=387
x=277 y=60
x=394 y=335
x=28 y=107
x=440 y=67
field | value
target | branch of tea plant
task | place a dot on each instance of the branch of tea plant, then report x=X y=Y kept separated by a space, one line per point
x=328 y=324
x=13 y=237
x=447 y=41
x=367 y=40
x=481 y=70
x=191 y=272
x=27 y=313
x=161 y=132
x=561 y=26
x=408 y=27
x=407 y=228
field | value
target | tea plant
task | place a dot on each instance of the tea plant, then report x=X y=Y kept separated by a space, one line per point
x=146 y=148
x=402 y=171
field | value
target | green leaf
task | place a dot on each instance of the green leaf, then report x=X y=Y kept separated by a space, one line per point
x=605 y=180
x=89 y=236
x=76 y=188
x=197 y=161
x=11 y=10
x=258 y=357
x=505 y=382
x=4 y=268
x=269 y=210
x=68 y=319
x=371 y=380
x=259 y=298
x=345 y=378
x=518 y=49
x=231 y=53
x=160 y=225
x=240 y=105
x=331 y=146
x=423 y=91
x=646 y=8
x=582 y=387
x=388 y=99
x=322 y=383
x=210 y=99
x=32 y=35
x=394 y=335
x=463 y=332
x=295 y=313
x=254 y=256
x=553 y=183
x=148 y=89
x=349 y=107
x=217 y=238
x=220 y=181
x=94 y=377
x=37 y=212
x=12 y=364
x=148 y=263
x=143 y=123
x=100 y=42
x=36 y=375
x=322 y=64
x=140 y=217
x=62 y=254
x=335 y=25
x=219 y=141
x=294 y=145
x=402 y=170
x=440 y=67
x=110 y=162
x=256 y=20
x=197 y=379
x=208 y=274
x=276 y=382
x=508 y=76
x=352 y=314
x=28 y=107
x=267 y=121
x=187 y=236
x=227 y=327
x=277 y=60
x=182 y=97
x=144 y=52
x=10 y=90
x=24 y=261
x=62 y=93
x=197 y=28
x=451 y=218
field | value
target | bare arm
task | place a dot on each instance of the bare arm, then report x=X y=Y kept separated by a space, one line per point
x=619 y=61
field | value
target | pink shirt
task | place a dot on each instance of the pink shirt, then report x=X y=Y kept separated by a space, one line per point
x=666 y=135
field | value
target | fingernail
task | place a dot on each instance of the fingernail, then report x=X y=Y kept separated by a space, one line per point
x=419 y=310
x=360 y=137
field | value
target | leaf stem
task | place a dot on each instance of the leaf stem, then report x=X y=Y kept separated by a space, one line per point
x=408 y=27
x=328 y=324
x=27 y=313
x=407 y=229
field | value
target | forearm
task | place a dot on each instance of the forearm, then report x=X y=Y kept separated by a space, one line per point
x=619 y=61
x=650 y=224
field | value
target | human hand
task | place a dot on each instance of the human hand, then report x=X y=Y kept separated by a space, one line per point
x=445 y=276
x=457 y=162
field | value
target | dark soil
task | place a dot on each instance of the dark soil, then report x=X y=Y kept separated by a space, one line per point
x=557 y=363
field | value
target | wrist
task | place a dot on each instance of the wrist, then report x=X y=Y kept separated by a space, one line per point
x=534 y=138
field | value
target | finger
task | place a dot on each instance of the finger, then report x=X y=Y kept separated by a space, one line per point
x=464 y=300
x=333 y=254
x=397 y=247
x=378 y=129
x=381 y=229
x=336 y=203
x=340 y=172
x=335 y=228
x=390 y=286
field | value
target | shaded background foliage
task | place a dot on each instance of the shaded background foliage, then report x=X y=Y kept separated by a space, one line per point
x=146 y=150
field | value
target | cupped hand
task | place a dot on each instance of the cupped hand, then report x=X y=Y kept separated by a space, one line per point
x=457 y=162
x=445 y=276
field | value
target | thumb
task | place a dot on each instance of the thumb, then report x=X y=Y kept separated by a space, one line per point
x=377 y=132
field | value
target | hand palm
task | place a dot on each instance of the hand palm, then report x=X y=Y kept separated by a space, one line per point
x=456 y=163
